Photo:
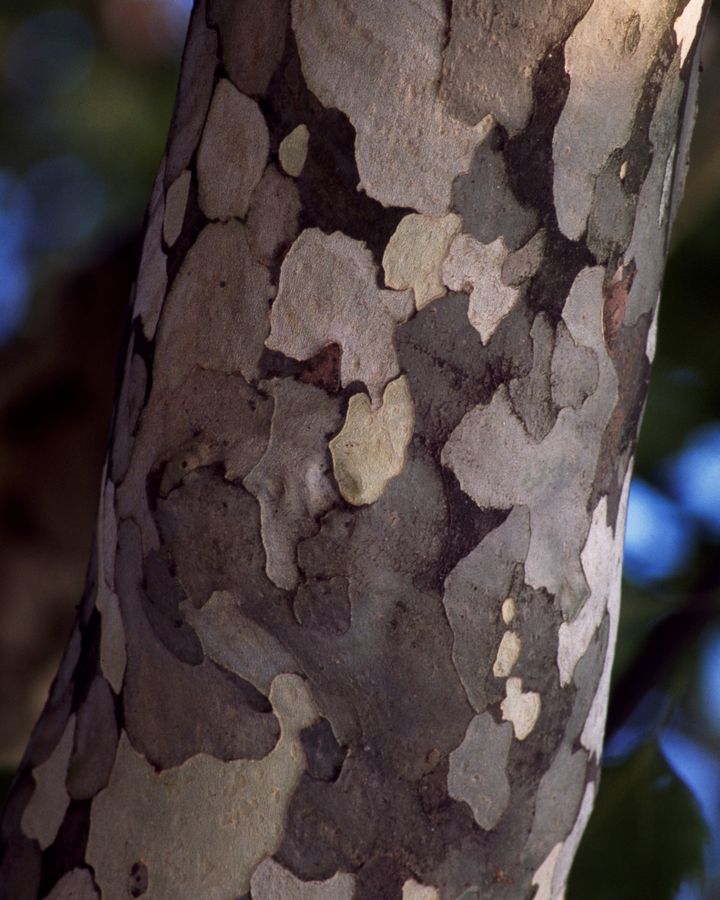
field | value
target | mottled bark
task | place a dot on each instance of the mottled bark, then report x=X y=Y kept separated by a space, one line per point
x=350 y=617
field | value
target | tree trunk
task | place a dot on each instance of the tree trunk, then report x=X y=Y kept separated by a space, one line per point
x=350 y=617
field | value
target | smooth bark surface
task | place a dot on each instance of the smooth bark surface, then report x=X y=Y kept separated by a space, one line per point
x=350 y=617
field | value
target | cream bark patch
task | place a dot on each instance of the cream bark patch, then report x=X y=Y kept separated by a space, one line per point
x=477 y=267
x=507 y=655
x=522 y=708
x=413 y=890
x=328 y=294
x=380 y=65
x=607 y=578
x=370 y=449
x=293 y=149
x=47 y=807
x=551 y=876
x=232 y=155
x=415 y=253
x=686 y=27
x=212 y=855
x=508 y=610
x=602 y=562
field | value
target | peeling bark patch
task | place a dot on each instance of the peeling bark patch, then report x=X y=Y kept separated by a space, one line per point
x=175 y=203
x=271 y=881
x=47 y=807
x=113 y=656
x=551 y=876
x=232 y=154
x=633 y=375
x=163 y=596
x=602 y=563
x=293 y=149
x=370 y=449
x=251 y=43
x=472 y=592
x=68 y=849
x=574 y=370
x=608 y=578
x=331 y=195
x=484 y=199
x=479 y=583
x=194 y=708
x=686 y=27
x=272 y=220
x=559 y=796
x=323 y=604
x=292 y=480
x=96 y=737
x=493 y=52
x=522 y=708
x=553 y=480
x=215 y=315
x=616 y=296
x=210 y=855
x=236 y=643
x=450 y=371
x=523 y=263
x=610 y=222
x=478 y=770
x=346 y=65
x=415 y=253
x=212 y=526
x=606 y=122
x=197 y=78
x=476 y=267
x=152 y=278
x=531 y=395
x=327 y=294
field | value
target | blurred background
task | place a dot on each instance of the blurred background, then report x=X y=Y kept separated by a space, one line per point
x=86 y=92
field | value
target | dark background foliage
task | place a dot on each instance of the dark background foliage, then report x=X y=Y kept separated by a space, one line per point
x=86 y=90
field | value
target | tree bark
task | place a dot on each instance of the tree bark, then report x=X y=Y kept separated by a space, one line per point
x=351 y=611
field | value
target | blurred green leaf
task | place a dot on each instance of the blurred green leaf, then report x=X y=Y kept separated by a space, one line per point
x=645 y=836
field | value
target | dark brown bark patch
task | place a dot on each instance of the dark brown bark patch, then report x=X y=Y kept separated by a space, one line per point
x=324 y=755
x=68 y=849
x=96 y=735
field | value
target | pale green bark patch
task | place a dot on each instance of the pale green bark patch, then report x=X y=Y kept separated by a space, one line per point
x=293 y=150
x=371 y=446
x=415 y=253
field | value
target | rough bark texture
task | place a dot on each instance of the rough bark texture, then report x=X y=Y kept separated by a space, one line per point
x=350 y=617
